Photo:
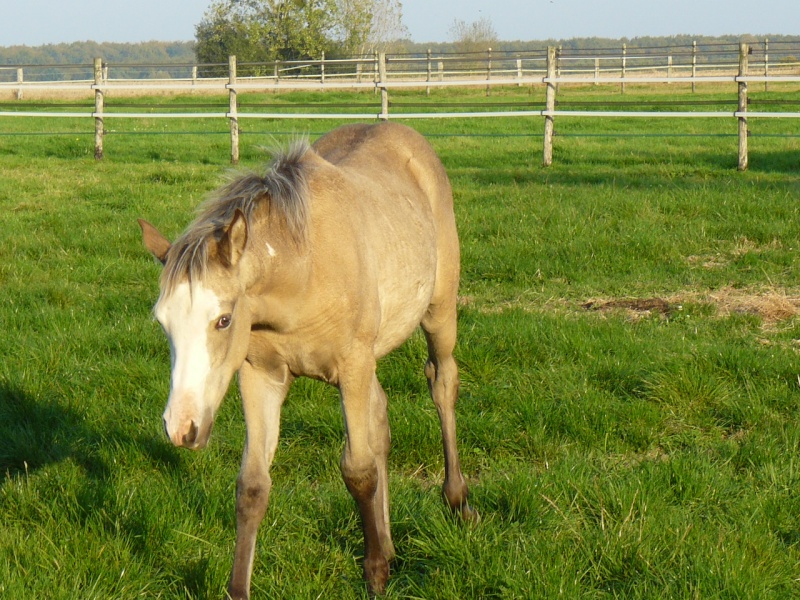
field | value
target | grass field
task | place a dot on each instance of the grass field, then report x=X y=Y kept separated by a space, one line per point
x=629 y=350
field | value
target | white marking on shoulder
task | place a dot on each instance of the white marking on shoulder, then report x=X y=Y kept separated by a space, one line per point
x=271 y=250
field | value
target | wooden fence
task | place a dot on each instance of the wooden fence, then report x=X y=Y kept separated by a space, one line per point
x=381 y=73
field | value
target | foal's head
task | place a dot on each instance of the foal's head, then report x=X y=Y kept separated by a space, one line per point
x=202 y=307
x=206 y=319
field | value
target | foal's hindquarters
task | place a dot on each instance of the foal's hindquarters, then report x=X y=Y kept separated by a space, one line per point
x=435 y=255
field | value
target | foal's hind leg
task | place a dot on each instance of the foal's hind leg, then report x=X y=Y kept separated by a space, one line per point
x=379 y=441
x=441 y=370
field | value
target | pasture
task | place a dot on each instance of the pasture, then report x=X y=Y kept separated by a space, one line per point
x=629 y=418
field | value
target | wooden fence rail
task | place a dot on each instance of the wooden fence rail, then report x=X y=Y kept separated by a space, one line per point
x=384 y=74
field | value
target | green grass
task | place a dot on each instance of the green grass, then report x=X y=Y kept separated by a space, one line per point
x=610 y=453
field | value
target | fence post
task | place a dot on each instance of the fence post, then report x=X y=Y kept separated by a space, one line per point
x=744 y=50
x=669 y=68
x=428 y=74
x=624 y=63
x=20 y=79
x=558 y=66
x=550 y=105
x=98 y=109
x=694 y=64
x=384 y=116
x=322 y=69
x=596 y=71
x=519 y=72
x=488 y=70
x=233 y=110
x=766 y=63
x=376 y=69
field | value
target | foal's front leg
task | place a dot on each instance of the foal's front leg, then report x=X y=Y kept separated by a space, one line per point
x=262 y=398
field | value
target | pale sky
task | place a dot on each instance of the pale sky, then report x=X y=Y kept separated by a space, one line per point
x=37 y=22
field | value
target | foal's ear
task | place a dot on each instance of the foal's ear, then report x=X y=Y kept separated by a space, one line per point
x=234 y=239
x=154 y=241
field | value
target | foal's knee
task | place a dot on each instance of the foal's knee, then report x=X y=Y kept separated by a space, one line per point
x=252 y=497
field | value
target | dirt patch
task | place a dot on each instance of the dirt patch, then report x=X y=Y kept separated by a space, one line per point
x=772 y=306
x=635 y=305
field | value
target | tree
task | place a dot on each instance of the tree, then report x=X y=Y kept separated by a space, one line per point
x=266 y=30
x=473 y=37
x=366 y=26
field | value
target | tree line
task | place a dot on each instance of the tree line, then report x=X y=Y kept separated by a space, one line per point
x=185 y=52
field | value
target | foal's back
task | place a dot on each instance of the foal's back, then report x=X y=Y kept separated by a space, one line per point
x=402 y=220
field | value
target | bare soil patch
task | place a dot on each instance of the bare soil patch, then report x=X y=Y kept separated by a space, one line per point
x=772 y=305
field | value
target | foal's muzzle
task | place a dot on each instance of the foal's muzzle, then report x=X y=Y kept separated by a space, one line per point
x=190 y=434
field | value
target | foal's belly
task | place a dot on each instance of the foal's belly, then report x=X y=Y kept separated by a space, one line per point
x=401 y=314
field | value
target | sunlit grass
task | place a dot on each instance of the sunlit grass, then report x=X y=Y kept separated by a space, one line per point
x=612 y=453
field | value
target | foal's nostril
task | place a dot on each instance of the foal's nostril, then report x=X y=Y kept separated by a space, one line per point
x=190 y=437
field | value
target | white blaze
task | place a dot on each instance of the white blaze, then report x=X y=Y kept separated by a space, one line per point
x=186 y=315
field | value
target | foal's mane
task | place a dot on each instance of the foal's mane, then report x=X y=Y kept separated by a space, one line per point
x=284 y=187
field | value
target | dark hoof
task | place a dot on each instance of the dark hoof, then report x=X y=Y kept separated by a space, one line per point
x=376 y=572
x=469 y=514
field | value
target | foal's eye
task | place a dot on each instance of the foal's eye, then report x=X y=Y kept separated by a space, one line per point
x=223 y=322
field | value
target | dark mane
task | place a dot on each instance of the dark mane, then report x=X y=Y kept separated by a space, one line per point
x=284 y=186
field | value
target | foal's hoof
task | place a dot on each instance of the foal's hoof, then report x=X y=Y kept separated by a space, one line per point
x=469 y=514
x=376 y=572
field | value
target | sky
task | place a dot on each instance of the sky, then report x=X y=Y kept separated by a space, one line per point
x=38 y=22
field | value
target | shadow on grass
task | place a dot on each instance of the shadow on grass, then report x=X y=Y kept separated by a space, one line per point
x=775 y=162
x=35 y=433
x=194 y=574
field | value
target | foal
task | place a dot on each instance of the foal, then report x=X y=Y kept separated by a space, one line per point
x=318 y=268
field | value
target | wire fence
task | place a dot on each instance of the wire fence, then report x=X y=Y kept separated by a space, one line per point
x=738 y=64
